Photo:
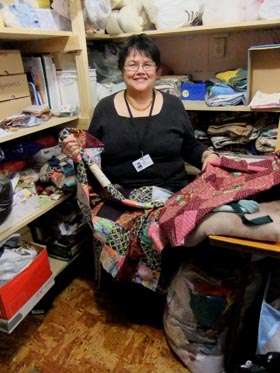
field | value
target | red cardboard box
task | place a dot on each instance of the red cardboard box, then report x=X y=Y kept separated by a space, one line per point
x=15 y=293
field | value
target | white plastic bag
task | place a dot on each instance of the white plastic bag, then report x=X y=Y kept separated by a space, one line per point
x=224 y=12
x=269 y=9
x=97 y=12
x=172 y=14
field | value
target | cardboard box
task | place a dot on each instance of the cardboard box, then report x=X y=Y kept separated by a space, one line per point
x=16 y=292
x=10 y=62
x=9 y=325
x=11 y=107
x=263 y=70
x=193 y=91
x=13 y=86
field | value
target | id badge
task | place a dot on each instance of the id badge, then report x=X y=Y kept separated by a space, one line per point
x=142 y=163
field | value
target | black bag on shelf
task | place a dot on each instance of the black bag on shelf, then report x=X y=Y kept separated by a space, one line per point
x=6 y=198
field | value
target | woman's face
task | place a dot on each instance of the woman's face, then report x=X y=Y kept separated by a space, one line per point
x=139 y=72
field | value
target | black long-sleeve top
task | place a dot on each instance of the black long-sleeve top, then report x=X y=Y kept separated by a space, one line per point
x=168 y=139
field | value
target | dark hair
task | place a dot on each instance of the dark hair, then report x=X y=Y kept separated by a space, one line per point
x=141 y=43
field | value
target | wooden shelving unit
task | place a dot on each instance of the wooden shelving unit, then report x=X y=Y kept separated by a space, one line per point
x=75 y=42
x=193 y=30
x=38 y=41
x=188 y=49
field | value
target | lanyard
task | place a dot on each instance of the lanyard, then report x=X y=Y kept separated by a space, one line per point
x=134 y=124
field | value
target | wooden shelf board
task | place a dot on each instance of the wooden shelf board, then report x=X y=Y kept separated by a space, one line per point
x=192 y=30
x=47 y=206
x=247 y=246
x=53 y=122
x=58 y=265
x=7 y=33
x=201 y=106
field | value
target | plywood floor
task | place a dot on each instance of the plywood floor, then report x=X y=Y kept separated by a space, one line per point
x=89 y=329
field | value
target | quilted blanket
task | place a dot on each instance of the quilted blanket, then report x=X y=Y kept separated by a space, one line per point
x=131 y=228
x=223 y=181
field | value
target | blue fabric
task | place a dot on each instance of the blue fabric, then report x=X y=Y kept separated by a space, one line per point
x=222 y=89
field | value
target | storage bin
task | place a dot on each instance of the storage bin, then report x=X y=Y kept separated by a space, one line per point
x=263 y=69
x=27 y=286
x=68 y=87
x=193 y=91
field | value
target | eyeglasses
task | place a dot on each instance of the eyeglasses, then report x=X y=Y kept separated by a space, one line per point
x=145 y=66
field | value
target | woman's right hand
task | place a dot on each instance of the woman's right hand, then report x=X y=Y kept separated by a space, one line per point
x=70 y=146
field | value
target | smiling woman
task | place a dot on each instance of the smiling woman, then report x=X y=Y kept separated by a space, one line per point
x=147 y=137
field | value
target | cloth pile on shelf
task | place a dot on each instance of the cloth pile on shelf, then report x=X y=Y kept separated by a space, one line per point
x=229 y=90
x=263 y=100
x=15 y=256
x=36 y=167
x=27 y=15
x=259 y=136
x=266 y=141
x=231 y=132
x=237 y=133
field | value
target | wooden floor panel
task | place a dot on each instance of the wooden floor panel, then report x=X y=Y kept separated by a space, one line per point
x=86 y=331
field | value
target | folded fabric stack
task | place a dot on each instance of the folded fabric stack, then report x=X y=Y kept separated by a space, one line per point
x=237 y=79
x=229 y=90
x=234 y=132
x=266 y=141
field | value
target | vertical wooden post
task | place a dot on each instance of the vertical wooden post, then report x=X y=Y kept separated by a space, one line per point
x=78 y=28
